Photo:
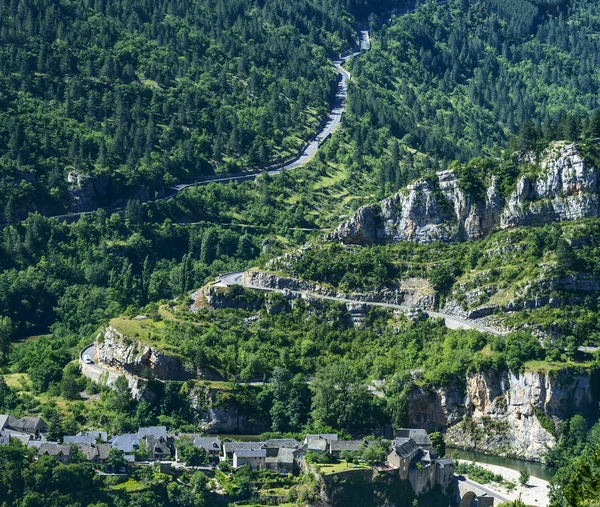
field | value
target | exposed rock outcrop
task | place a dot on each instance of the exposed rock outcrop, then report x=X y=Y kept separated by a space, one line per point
x=217 y=413
x=85 y=190
x=438 y=210
x=120 y=353
x=503 y=412
x=435 y=408
x=89 y=191
x=413 y=292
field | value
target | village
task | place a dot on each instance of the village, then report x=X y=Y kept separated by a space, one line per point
x=411 y=454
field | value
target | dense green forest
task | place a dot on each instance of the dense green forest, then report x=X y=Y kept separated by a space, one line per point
x=457 y=80
x=126 y=98
x=81 y=274
x=138 y=94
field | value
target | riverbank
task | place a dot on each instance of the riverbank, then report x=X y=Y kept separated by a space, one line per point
x=536 y=492
x=535 y=469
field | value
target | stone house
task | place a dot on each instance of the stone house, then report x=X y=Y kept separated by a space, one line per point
x=35 y=427
x=96 y=452
x=89 y=437
x=283 y=463
x=153 y=440
x=157 y=446
x=281 y=455
x=445 y=471
x=230 y=447
x=256 y=458
x=128 y=443
x=413 y=455
x=285 y=456
x=211 y=445
x=337 y=447
x=61 y=452
x=419 y=436
x=401 y=455
x=274 y=445
x=21 y=437
x=319 y=442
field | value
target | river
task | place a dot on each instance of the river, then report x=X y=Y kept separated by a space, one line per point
x=538 y=470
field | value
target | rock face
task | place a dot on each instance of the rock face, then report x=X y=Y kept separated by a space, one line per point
x=86 y=189
x=88 y=192
x=503 y=412
x=219 y=414
x=118 y=352
x=438 y=210
x=437 y=408
x=414 y=292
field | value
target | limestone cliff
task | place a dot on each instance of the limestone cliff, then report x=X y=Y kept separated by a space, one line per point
x=120 y=353
x=505 y=413
x=564 y=188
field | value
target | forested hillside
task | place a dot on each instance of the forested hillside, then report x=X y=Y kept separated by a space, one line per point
x=147 y=94
x=458 y=79
x=110 y=103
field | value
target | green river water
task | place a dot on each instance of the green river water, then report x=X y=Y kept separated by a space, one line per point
x=535 y=469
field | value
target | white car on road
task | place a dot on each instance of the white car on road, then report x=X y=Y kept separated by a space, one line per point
x=87 y=359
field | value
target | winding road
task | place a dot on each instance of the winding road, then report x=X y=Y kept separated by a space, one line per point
x=306 y=153
x=94 y=371
x=99 y=373
x=451 y=321
x=333 y=119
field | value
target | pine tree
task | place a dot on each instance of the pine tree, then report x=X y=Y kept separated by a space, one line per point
x=209 y=246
